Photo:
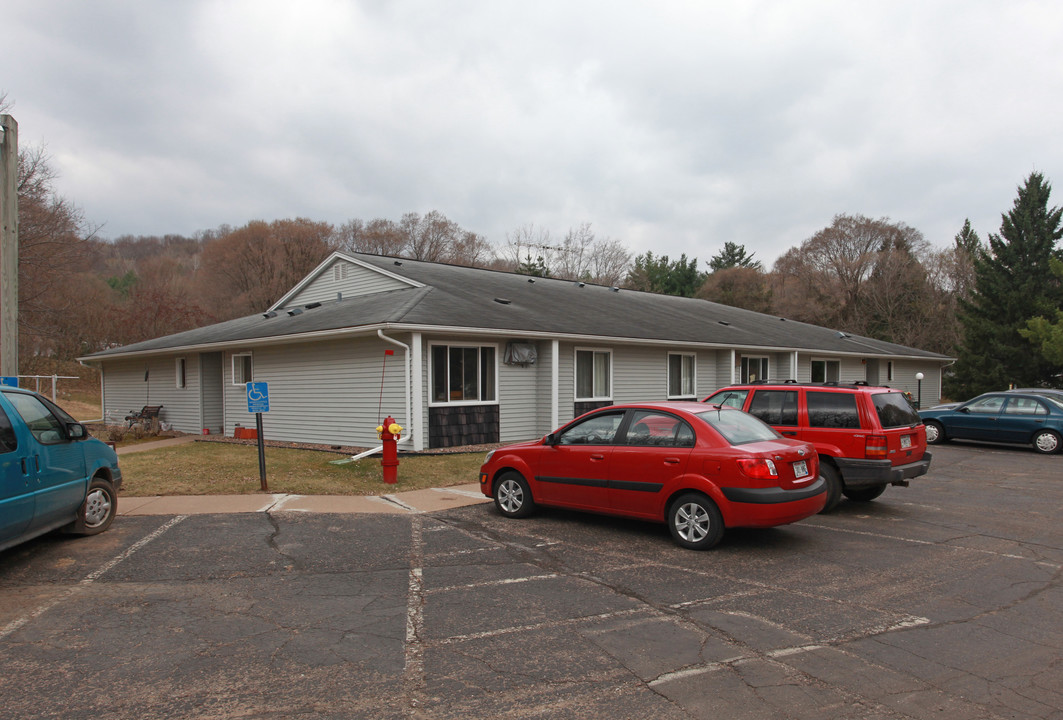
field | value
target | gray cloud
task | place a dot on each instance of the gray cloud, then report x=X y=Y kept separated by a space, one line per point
x=673 y=128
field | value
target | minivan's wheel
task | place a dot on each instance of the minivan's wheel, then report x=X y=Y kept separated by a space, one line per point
x=865 y=494
x=98 y=511
x=1046 y=442
x=513 y=497
x=935 y=433
x=695 y=522
x=834 y=485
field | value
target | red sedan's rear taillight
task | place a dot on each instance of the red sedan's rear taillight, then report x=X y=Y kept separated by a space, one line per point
x=758 y=468
x=875 y=446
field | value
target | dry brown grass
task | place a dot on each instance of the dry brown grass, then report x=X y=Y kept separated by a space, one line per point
x=210 y=468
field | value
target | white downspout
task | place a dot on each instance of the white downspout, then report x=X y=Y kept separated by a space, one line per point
x=555 y=384
x=408 y=437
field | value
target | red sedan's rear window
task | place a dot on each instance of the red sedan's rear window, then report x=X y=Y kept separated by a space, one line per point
x=737 y=427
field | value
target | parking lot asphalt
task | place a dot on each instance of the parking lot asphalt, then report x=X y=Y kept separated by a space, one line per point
x=941 y=600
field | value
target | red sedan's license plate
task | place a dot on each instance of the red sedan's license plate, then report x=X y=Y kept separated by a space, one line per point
x=906 y=442
x=800 y=469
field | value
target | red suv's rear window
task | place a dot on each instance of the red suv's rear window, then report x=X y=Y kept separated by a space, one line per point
x=894 y=410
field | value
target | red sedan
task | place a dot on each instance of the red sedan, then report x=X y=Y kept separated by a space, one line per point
x=699 y=468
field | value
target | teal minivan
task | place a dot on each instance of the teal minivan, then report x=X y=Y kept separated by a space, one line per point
x=53 y=474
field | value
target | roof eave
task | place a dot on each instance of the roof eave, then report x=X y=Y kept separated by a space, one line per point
x=490 y=332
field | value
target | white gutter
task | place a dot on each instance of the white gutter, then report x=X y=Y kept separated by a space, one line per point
x=408 y=437
x=271 y=340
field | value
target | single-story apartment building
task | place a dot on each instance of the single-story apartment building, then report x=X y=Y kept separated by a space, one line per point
x=461 y=356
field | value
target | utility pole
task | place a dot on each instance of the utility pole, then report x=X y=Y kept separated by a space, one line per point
x=8 y=246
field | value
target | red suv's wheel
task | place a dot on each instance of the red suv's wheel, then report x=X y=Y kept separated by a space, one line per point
x=834 y=485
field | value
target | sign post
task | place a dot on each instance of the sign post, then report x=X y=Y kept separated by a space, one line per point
x=258 y=403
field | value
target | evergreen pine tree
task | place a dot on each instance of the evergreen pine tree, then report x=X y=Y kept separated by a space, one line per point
x=1013 y=283
x=733 y=255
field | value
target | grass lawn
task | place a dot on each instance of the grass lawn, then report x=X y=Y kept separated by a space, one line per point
x=208 y=468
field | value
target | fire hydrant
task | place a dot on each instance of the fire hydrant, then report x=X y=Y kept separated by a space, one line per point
x=389 y=434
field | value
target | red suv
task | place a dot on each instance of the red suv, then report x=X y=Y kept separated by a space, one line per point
x=867 y=437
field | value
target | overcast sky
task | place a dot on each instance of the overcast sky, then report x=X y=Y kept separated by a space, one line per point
x=671 y=127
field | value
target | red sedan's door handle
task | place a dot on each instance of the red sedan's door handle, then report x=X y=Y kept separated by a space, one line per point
x=671 y=461
x=597 y=457
x=790 y=433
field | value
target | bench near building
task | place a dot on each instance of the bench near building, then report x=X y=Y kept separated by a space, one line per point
x=478 y=356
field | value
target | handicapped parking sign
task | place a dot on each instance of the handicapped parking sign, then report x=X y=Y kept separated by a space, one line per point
x=257 y=397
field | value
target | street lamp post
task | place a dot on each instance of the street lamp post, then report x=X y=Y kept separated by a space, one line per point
x=919 y=391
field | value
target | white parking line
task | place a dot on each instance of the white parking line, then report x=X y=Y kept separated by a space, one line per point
x=884 y=536
x=88 y=579
x=413 y=673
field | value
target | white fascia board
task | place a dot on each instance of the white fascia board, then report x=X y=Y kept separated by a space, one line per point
x=456 y=330
x=508 y=332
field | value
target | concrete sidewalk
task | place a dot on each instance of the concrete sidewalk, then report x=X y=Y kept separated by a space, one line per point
x=411 y=501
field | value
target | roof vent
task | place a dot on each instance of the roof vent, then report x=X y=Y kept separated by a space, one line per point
x=270 y=314
x=398 y=263
x=503 y=301
x=841 y=335
x=580 y=284
x=311 y=306
x=531 y=280
x=295 y=311
x=614 y=288
x=723 y=322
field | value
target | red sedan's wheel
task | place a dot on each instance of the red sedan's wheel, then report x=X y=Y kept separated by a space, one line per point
x=695 y=522
x=513 y=497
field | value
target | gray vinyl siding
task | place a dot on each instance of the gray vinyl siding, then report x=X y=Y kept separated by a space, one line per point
x=566 y=382
x=519 y=399
x=708 y=372
x=904 y=379
x=544 y=421
x=779 y=364
x=126 y=390
x=724 y=371
x=323 y=392
x=358 y=281
x=639 y=374
x=211 y=392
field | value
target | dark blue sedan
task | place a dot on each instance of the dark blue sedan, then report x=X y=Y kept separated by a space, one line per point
x=1001 y=417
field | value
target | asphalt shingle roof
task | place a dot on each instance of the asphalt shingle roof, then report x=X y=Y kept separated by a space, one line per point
x=456 y=297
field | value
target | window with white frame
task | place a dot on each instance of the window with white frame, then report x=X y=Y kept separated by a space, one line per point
x=594 y=369
x=463 y=374
x=681 y=376
x=179 y=372
x=826 y=370
x=242 y=368
x=753 y=369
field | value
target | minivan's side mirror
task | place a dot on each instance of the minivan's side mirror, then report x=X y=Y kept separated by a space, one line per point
x=76 y=431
